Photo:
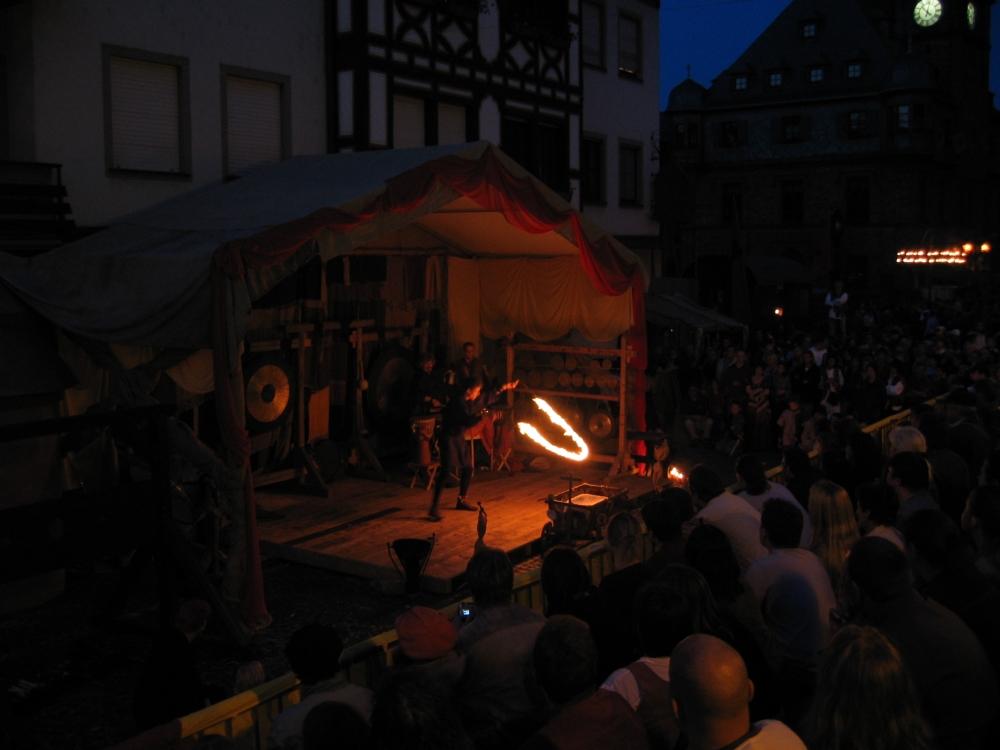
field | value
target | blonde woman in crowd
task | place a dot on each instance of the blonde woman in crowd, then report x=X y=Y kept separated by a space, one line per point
x=835 y=530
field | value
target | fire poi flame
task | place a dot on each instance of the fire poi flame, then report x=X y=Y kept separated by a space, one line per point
x=675 y=475
x=534 y=434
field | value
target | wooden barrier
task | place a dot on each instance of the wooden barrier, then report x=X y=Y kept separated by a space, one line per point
x=246 y=718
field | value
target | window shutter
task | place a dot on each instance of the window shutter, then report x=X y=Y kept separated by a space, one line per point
x=451 y=124
x=145 y=115
x=253 y=123
x=407 y=122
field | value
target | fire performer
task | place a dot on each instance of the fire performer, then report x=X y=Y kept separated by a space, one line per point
x=465 y=410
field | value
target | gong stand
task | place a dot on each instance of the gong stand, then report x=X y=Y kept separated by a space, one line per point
x=368 y=464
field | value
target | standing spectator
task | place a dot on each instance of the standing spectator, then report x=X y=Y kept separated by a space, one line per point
x=871 y=397
x=796 y=597
x=734 y=515
x=800 y=474
x=757 y=490
x=865 y=697
x=736 y=377
x=836 y=301
x=627 y=544
x=759 y=410
x=834 y=532
x=788 y=422
x=694 y=412
x=584 y=718
x=981 y=519
x=413 y=712
x=965 y=436
x=877 y=510
x=951 y=474
x=662 y=517
x=568 y=590
x=805 y=381
x=313 y=652
x=957 y=687
x=906 y=439
x=819 y=352
x=495 y=691
x=712 y=695
x=909 y=476
x=169 y=685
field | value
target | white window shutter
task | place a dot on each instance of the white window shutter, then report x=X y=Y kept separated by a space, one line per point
x=253 y=123
x=145 y=115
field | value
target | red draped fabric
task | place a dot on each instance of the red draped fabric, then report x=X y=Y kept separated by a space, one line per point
x=486 y=182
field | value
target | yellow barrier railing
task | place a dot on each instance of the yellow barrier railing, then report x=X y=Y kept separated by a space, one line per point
x=246 y=718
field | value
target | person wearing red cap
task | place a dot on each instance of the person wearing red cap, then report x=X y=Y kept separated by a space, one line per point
x=427 y=645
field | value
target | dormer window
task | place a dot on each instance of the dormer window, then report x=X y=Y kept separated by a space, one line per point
x=740 y=83
x=809 y=30
x=815 y=75
x=854 y=70
x=774 y=80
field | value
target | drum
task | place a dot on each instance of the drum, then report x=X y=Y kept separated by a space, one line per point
x=423 y=428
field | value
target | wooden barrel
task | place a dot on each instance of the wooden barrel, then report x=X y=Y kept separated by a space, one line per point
x=565 y=379
x=550 y=379
x=557 y=362
x=577 y=379
x=570 y=362
x=534 y=379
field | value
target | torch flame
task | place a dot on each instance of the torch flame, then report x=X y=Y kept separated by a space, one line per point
x=534 y=434
x=674 y=474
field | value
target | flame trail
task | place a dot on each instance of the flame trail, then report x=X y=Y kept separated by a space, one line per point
x=534 y=434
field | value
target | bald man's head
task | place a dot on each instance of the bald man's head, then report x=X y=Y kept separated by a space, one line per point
x=709 y=681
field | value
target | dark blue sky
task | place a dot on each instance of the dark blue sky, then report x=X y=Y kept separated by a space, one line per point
x=711 y=34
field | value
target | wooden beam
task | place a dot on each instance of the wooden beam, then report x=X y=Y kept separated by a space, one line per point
x=593 y=352
x=566 y=394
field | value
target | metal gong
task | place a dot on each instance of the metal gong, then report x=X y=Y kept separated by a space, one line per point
x=268 y=392
x=390 y=379
x=600 y=424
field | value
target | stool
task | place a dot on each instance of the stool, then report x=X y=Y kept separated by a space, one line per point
x=472 y=450
x=501 y=461
x=431 y=469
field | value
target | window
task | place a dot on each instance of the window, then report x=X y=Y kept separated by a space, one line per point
x=407 y=122
x=792 y=203
x=540 y=147
x=858 y=200
x=147 y=122
x=854 y=70
x=731 y=210
x=592 y=171
x=775 y=79
x=592 y=34
x=630 y=174
x=740 y=83
x=815 y=75
x=791 y=129
x=857 y=124
x=903 y=117
x=629 y=46
x=728 y=134
x=809 y=30
x=685 y=135
x=255 y=119
x=451 y=124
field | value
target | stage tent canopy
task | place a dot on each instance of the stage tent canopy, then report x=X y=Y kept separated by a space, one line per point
x=183 y=275
x=665 y=310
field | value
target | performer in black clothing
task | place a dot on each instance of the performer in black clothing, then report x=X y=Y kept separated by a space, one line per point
x=464 y=410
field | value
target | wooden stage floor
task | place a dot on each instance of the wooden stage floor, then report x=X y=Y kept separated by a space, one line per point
x=349 y=532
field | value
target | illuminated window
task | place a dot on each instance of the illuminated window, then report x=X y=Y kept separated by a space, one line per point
x=903 y=117
x=815 y=75
x=629 y=46
x=858 y=124
x=740 y=83
x=808 y=30
x=775 y=79
x=854 y=70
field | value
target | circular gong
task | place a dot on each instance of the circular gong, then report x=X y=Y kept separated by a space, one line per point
x=268 y=392
x=600 y=424
x=574 y=416
x=570 y=362
x=565 y=379
x=534 y=378
x=390 y=383
x=557 y=362
x=577 y=379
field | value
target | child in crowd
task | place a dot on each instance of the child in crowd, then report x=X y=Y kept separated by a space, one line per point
x=789 y=422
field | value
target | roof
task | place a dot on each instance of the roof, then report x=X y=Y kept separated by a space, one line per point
x=663 y=310
x=146 y=279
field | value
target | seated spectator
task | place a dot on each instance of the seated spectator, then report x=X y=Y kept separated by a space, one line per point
x=709 y=552
x=335 y=725
x=711 y=698
x=796 y=597
x=663 y=619
x=427 y=644
x=662 y=517
x=734 y=515
x=248 y=676
x=981 y=519
x=625 y=539
x=877 y=510
x=700 y=610
x=412 y=712
x=313 y=652
x=865 y=697
x=495 y=692
x=694 y=413
x=957 y=687
x=910 y=477
x=951 y=475
x=906 y=439
x=757 y=490
x=169 y=685
x=945 y=568
x=565 y=665
x=800 y=474
x=568 y=590
x=834 y=532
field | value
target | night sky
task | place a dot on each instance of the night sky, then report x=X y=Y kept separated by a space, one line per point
x=711 y=34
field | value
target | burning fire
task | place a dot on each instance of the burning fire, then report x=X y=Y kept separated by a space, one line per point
x=675 y=475
x=534 y=434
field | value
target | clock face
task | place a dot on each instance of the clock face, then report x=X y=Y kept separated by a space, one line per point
x=927 y=12
x=970 y=14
